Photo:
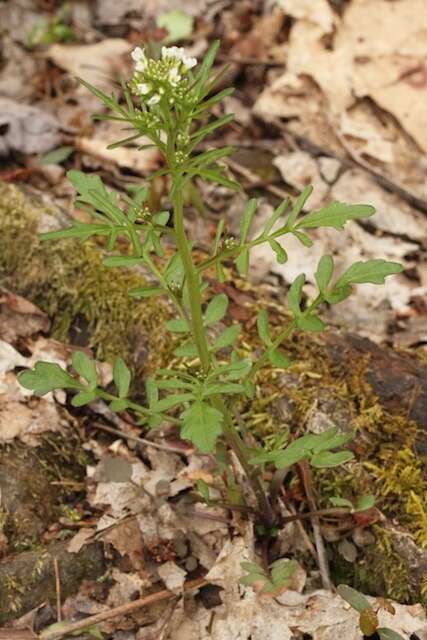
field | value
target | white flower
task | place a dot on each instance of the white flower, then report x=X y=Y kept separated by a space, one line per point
x=155 y=99
x=143 y=88
x=189 y=63
x=174 y=76
x=138 y=55
x=173 y=52
x=179 y=54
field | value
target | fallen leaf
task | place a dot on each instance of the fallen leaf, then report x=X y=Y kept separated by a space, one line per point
x=130 y=157
x=99 y=64
x=79 y=540
x=300 y=169
x=20 y=317
x=317 y=11
x=126 y=538
x=172 y=575
x=25 y=128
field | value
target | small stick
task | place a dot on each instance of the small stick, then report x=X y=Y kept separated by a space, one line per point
x=320 y=547
x=58 y=589
x=122 y=610
x=144 y=441
x=300 y=526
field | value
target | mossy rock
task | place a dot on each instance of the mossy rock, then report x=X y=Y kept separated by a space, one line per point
x=29 y=579
x=87 y=302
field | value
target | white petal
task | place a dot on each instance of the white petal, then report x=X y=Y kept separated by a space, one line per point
x=154 y=99
x=174 y=76
x=138 y=54
x=189 y=63
x=141 y=65
x=143 y=88
x=173 y=52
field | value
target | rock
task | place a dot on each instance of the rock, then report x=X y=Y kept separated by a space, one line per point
x=29 y=579
x=398 y=378
x=27 y=497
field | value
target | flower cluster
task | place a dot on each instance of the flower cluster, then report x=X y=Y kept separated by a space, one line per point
x=164 y=78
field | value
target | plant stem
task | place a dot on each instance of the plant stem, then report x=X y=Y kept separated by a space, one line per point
x=193 y=283
x=192 y=280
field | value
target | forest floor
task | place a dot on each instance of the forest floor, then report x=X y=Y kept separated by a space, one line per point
x=95 y=514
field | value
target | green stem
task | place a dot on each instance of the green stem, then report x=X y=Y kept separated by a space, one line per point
x=192 y=280
x=283 y=335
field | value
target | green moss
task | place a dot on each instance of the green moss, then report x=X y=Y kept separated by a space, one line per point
x=87 y=302
x=70 y=283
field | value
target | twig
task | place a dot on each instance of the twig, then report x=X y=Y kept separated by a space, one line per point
x=320 y=547
x=299 y=525
x=122 y=610
x=144 y=441
x=58 y=589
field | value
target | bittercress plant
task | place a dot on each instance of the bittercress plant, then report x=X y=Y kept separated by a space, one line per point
x=169 y=101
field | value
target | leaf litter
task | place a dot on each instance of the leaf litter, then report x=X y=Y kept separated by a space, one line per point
x=156 y=535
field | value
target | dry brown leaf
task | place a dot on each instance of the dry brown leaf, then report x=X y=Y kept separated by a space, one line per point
x=244 y=615
x=20 y=317
x=317 y=11
x=300 y=169
x=79 y=540
x=99 y=63
x=126 y=538
x=172 y=575
x=26 y=128
x=130 y=157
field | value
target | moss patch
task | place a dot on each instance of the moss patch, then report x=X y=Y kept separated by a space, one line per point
x=86 y=301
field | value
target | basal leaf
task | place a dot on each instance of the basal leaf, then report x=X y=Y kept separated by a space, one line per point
x=368 y=622
x=121 y=377
x=354 y=598
x=47 y=376
x=186 y=350
x=86 y=368
x=326 y=459
x=364 y=503
x=389 y=634
x=202 y=424
x=336 y=501
x=84 y=397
